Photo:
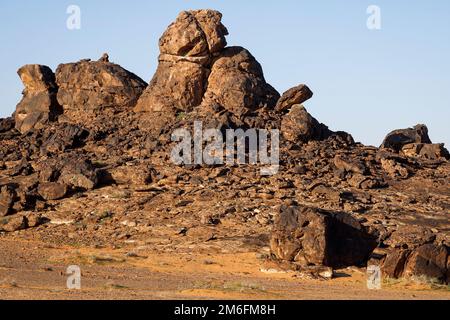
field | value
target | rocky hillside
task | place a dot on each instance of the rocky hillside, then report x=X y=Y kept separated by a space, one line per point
x=85 y=159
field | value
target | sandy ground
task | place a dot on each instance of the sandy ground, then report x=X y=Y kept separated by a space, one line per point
x=35 y=270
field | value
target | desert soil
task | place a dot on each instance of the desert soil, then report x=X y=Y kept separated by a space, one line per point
x=37 y=270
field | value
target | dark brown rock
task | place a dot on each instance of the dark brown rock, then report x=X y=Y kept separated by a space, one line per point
x=428 y=260
x=434 y=151
x=13 y=223
x=237 y=83
x=63 y=137
x=52 y=190
x=399 y=138
x=296 y=95
x=298 y=126
x=349 y=164
x=94 y=85
x=39 y=104
x=394 y=263
x=310 y=236
x=79 y=173
x=6 y=124
x=7 y=197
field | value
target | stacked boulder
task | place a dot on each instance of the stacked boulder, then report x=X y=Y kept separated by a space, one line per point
x=195 y=68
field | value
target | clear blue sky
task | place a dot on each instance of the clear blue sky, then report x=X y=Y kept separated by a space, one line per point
x=365 y=82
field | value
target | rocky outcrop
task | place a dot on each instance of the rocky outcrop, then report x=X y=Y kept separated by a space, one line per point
x=95 y=85
x=39 y=104
x=196 y=69
x=186 y=49
x=309 y=236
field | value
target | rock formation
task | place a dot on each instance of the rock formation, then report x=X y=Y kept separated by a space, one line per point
x=86 y=158
x=39 y=105
x=195 y=68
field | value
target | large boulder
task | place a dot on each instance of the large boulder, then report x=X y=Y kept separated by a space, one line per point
x=298 y=126
x=428 y=261
x=39 y=104
x=414 y=251
x=94 y=85
x=237 y=83
x=194 y=33
x=52 y=190
x=397 y=139
x=295 y=95
x=309 y=236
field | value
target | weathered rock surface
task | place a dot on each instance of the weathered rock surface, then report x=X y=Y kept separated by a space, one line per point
x=52 y=190
x=298 y=126
x=195 y=68
x=186 y=49
x=7 y=196
x=309 y=236
x=397 y=139
x=237 y=83
x=179 y=84
x=39 y=104
x=94 y=85
x=13 y=223
x=433 y=151
x=296 y=95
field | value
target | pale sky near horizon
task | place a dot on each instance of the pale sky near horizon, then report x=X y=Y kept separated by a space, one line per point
x=366 y=82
